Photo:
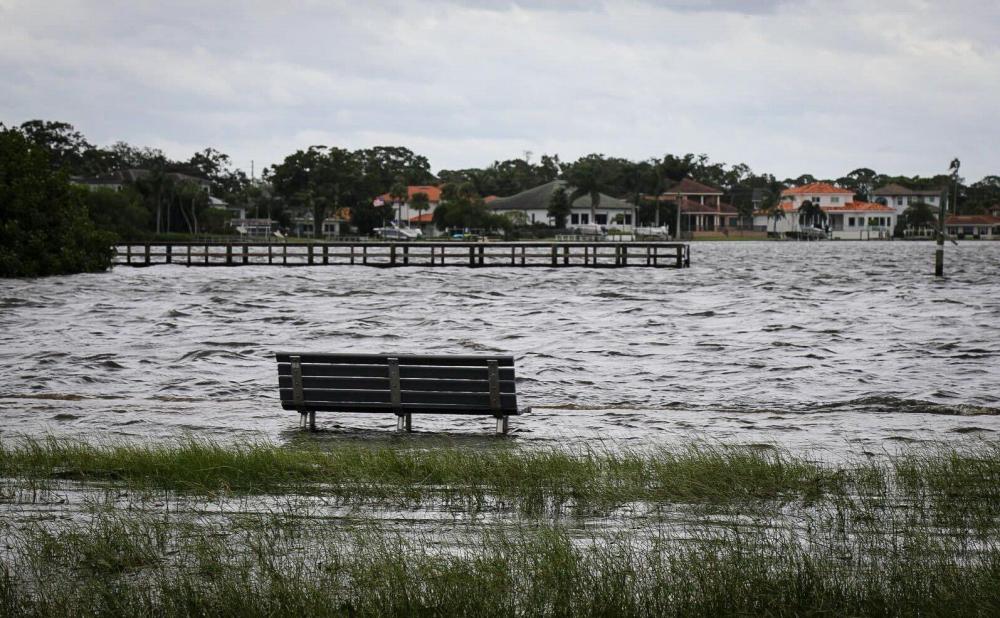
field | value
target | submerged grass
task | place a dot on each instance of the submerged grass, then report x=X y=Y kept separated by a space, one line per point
x=138 y=564
x=529 y=479
x=698 y=473
x=913 y=534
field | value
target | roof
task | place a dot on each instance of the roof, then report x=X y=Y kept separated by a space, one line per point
x=971 y=220
x=858 y=207
x=690 y=186
x=427 y=217
x=893 y=189
x=537 y=198
x=817 y=188
x=433 y=193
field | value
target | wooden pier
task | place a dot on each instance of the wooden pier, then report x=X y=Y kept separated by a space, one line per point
x=595 y=254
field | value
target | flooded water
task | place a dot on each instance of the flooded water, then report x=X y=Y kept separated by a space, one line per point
x=837 y=346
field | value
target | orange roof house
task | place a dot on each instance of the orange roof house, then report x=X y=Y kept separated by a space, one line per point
x=816 y=188
x=433 y=193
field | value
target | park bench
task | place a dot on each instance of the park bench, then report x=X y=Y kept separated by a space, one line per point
x=398 y=383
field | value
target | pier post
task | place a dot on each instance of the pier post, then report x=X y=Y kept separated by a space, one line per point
x=229 y=254
x=128 y=254
x=270 y=253
x=326 y=255
x=472 y=256
x=284 y=254
x=624 y=254
x=392 y=255
x=206 y=254
x=566 y=254
x=310 y=246
x=406 y=255
x=147 y=254
x=170 y=256
x=555 y=260
x=482 y=250
x=189 y=254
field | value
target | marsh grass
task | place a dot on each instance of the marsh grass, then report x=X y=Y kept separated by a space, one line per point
x=136 y=564
x=533 y=480
x=912 y=534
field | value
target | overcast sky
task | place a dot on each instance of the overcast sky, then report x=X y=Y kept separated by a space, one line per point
x=786 y=87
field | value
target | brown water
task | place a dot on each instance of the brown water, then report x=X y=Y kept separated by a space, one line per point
x=836 y=346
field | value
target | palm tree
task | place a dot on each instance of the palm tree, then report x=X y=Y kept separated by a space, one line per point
x=776 y=212
x=811 y=213
x=586 y=176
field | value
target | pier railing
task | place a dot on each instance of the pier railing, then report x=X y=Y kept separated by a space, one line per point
x=595 y=254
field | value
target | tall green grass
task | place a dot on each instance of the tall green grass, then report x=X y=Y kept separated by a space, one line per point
x=529 y=478
x=128 y=564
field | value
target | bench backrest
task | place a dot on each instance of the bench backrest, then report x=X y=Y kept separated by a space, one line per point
x=453 y=384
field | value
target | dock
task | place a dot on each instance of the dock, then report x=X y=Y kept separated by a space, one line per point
x=587 y=254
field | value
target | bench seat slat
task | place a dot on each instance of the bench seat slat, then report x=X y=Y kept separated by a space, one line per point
x=382 y=371
x=406 y=384
x=452 y=360
x=407 y=397
x=383 y=408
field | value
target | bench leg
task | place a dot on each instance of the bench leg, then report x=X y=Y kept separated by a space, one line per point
x=404 y=422
x=502 y=425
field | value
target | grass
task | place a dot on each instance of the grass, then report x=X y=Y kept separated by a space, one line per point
x=912 y=534
x=133 y=564
x=530 y=478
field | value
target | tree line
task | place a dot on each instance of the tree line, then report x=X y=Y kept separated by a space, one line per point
x=321 y=181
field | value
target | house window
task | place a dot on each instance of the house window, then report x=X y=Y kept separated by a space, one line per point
x=601 y=219
x=899 y=201
x=574 y=219
x=628 y=219
x=585 y=219
x=834 y=200
x=850 y=221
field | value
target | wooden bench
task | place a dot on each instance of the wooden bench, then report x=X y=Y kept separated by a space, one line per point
x=397 y=383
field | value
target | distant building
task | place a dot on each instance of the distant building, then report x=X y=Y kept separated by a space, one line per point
x=116 y=181
x=900 y=197
x=702 y=208
x=978 y=227
x=403 y=209
x=534 y=203
x=845 y=218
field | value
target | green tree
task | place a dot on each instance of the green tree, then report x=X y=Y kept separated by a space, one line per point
x=588 y=176
x=559 y=207
x=65 y=145
x=44 y=225
x=918 y=215
x=811 y=214
x=120 y=212
x=420 y=202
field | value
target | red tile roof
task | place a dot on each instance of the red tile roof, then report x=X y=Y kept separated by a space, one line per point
x=424 y=218
x=818 y=188
x=971 y=220
x=858 y=207
x=433 y=193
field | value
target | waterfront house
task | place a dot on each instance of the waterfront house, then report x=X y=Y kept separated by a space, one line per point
x=534 y=204
x=978 y=227
x=845 y=219
x=900 y=197
x=403 y=210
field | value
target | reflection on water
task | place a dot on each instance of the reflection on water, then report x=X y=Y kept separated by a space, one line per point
x=817 y=345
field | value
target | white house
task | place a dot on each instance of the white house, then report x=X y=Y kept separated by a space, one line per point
x=900 y=197
x=846 y=219
x=979 y=227
x=534 y=203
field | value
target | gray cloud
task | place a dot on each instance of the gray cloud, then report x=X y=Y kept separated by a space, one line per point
x=787 y=87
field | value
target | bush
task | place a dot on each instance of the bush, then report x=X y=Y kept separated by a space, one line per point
x=44 y=225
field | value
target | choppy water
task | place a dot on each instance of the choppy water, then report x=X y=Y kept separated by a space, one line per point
x=816 y=345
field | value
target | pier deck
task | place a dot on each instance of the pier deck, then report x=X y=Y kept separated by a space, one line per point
x=594 y=254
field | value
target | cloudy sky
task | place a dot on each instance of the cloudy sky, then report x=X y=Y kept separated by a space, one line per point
x=786 y=87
